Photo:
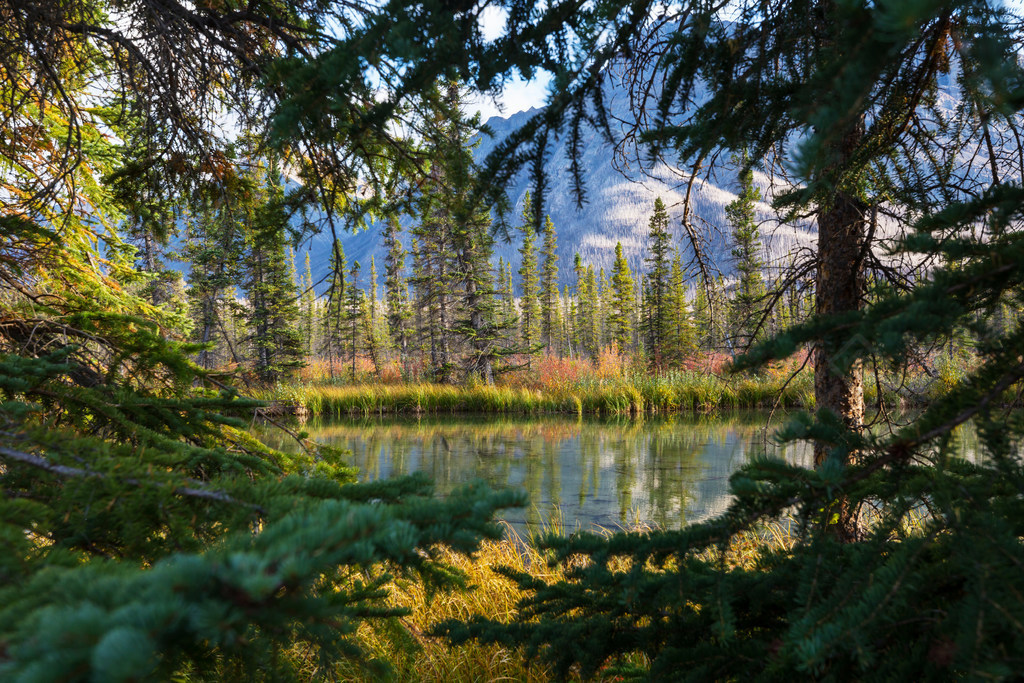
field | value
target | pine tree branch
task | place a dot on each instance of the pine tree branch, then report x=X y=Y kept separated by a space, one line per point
x=68 y=472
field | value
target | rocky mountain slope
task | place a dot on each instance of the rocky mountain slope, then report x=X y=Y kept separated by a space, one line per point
x=617 y=210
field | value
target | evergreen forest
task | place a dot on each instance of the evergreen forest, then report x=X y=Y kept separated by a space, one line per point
x=173 y=172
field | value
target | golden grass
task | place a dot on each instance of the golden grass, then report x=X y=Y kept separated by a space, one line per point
x=637 y=394
x=413 y=655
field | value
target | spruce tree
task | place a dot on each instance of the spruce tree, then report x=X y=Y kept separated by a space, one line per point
x=549 y=312
x=270 y=286
x=373 y=337
x=681 y=340
x=395 y=298
x=433 y=274
x=658 y=312
x=604 y=307
x=509 y=316
x=334 y=310
x=592 y=314
x=569 y=337
x=353 y=335
x=621 y=306
x=747 y=306
x=529 y=284
x=307 y=299
x=213 y=249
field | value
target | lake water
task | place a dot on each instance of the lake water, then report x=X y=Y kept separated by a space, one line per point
x=584 y=473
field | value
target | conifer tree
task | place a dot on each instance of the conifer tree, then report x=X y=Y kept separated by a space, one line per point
x=569 y=337
x=579 y=319
x=658 y=311
x=479 y=325
x=529 y=301
x=307 y=300
x=593 y=314
x=550 y=323
x=423 y=309
x=604 y=307
x=747 y=305
x=334 y=311
x=213 y=248
x=509 y=316
x=433 y=275
x=395 y=298
x=467 y=337
x=681 y=335
x=621 y=306
x=373 y=337
x=270 y=286
x=353 y=317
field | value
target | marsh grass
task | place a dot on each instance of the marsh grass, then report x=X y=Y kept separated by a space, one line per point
x=611 y=385
x=633 y=394
x=404 y=650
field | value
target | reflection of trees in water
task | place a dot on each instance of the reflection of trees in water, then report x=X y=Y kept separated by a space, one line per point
x=665 y=472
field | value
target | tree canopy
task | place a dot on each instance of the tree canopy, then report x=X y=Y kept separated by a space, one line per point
x=149 y=536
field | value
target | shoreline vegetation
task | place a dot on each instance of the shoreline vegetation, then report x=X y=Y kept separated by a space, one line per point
x=609 y=387
x=410 y=648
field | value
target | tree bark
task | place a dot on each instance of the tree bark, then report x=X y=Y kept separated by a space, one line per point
x=842 y=235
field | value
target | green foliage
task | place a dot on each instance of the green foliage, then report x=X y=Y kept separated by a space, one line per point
x=661 y=309
x=273 y=312
x=856 y=90
x=529 y=282
x=395 y=289
x=549 y=288
x=622 y=300
x=747 y=306
x=147 y=535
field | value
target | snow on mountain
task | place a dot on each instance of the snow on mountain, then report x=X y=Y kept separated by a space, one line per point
x=617 y=210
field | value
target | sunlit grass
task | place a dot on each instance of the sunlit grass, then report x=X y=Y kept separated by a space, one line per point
x=611 y=385
x=410 y=653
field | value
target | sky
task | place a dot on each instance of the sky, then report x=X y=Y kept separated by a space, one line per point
x=518 y=95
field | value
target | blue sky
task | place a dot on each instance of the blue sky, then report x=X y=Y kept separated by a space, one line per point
x=520 y=95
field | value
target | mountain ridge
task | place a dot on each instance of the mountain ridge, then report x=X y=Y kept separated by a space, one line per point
x=618 y=209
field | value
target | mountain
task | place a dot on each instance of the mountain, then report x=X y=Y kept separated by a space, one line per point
x=617 y=210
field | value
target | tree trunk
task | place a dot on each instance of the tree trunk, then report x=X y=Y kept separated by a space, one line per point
x=482 y=363
x=842 y=233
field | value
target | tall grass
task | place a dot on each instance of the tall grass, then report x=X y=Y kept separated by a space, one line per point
x=612 y=384
x=632 y=394
x=410 y=653
x=413 y=655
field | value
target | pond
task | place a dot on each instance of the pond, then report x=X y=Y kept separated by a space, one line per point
x=578 y=473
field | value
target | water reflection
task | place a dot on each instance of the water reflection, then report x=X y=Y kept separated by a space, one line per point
x=608 y=473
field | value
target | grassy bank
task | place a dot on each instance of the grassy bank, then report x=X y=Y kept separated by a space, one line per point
x=612 y=386
x=629 y=395
x=405 y=650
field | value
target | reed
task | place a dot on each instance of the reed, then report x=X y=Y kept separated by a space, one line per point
x=402 y=649
x=404 y=645
x=631 y=394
